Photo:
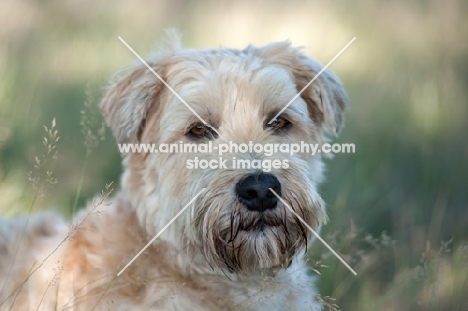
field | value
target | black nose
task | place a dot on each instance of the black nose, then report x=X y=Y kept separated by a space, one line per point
x=253 y=192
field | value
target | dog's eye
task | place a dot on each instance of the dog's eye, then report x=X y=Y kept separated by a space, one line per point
x=279 y=123
x=199 y=130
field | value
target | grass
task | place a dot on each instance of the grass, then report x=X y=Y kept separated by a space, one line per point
x=391 y=204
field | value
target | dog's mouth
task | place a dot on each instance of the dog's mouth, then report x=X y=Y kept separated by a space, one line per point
x=259 y=240
x=261 y=223
x=247 y=241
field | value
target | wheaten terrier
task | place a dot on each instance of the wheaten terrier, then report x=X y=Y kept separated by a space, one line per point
x=236 y=247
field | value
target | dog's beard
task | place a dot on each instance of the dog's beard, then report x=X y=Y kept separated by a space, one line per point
x=250 y=241
x=237 y=240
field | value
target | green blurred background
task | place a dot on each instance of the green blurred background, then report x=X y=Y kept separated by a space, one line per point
x=392 y=204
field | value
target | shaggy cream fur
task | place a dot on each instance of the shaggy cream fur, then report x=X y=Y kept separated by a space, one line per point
x=214 y=256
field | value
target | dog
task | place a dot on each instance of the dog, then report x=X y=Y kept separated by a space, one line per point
x=237 y=246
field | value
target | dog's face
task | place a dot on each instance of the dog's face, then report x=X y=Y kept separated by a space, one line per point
x=238 y=224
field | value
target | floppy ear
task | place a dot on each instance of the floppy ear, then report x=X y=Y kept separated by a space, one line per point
x=325 y=97
x=128 y=101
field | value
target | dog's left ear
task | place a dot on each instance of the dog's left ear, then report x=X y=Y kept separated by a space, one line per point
x=128 y=100
x=325 y=97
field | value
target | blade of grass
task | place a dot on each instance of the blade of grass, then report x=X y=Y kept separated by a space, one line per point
x=19 y=243
x=80 y=184
x=462 y=292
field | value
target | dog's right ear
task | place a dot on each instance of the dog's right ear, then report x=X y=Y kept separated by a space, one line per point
x=128 y=100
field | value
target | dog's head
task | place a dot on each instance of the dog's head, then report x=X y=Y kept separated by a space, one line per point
x=238 y=224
